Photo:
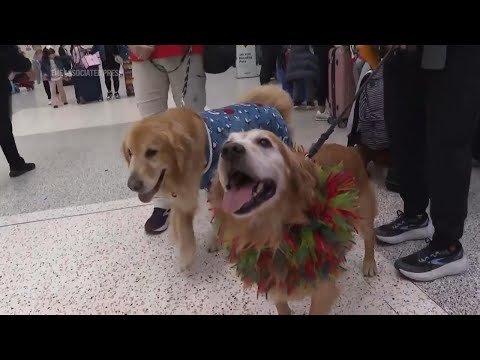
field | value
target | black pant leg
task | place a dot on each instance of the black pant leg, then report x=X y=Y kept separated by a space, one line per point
x=321 y=51
x=453 y=105
x=115 y=76
x=46 y=85
x=7 y=141
x=269 y=60
x=406 y=124
x=108 y=80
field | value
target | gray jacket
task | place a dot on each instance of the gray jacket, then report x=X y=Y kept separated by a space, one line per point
x=302 y=64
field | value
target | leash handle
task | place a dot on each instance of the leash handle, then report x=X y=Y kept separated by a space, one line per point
x=187 y=73
x=335 y=121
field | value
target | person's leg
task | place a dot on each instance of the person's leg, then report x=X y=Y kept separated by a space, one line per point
x=116 y=81
x=476 y=143
x=321 y=51
x=151 y=94
x=108 y=81
x=452 y=109
x=53 y=90
x=310 y=93
x=269 y=59
x=151 y=88
x=297 y=92
x=196 y=97
x=61 y=92
x=406 y=124
x=46 y=85
x=7 y=141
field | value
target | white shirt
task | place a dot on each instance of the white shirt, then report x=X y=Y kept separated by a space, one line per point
x=56 y=73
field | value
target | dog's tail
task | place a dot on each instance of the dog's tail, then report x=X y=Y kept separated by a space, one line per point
x=272 y=95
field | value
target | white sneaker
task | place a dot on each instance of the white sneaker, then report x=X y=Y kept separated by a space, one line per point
x=49 y=102
x=322 y=116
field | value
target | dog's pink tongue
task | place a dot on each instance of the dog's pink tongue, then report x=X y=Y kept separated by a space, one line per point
x=233 y=200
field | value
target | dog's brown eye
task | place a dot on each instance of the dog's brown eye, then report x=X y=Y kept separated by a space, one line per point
x=150 y=153
x=264 y=142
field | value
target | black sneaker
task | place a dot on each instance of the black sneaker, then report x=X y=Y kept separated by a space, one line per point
x=430 y=263
x=297 y=104
x=158 y=222
x=117 y=95
x=22 y=170
x=109 y=96
x=403 y=229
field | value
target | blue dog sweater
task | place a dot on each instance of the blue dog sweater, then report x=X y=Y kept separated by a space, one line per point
x=236 y=118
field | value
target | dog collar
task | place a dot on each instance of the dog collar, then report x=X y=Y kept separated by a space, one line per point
x=307 y=253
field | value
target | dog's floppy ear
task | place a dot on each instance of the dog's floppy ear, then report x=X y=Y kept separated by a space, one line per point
x=125 y=151
x=302 y=174
x=216 y=192
x=181 y=144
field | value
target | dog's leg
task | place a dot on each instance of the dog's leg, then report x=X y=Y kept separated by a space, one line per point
x=214 y=244
x=368 y=235
x=283 y=308
x=183 y=221
x=323 y=298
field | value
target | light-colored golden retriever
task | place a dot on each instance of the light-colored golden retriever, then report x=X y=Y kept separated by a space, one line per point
x=275 y=186
x=166 y=153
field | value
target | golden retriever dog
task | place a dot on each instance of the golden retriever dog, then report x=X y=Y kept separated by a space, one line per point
x=166 y=153
x=274 y=186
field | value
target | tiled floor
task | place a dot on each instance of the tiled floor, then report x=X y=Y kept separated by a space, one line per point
x=72 y=240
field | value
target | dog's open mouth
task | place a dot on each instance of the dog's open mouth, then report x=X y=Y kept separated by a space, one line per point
x=148 y=196
x=244 y=193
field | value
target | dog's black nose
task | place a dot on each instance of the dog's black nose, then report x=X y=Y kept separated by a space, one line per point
x=135 y=184
x=232 y=151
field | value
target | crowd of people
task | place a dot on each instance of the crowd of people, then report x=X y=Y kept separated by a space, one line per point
x=58 y=70
x=430 y=104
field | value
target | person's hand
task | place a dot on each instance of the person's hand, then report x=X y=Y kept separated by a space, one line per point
x=143 y=52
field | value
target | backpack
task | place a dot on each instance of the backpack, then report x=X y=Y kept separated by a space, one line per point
x=219 y=58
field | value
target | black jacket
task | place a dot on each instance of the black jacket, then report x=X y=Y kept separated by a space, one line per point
x=11 y=60
x=47 y=69
x=302 y=64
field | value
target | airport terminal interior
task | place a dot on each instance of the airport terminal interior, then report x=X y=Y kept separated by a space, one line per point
x=72 y=237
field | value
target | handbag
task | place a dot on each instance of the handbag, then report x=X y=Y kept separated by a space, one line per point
x=91 y=60
x=219 y=58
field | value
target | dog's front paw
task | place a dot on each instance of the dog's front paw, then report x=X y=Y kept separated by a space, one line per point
x=369 y=268
x=187 y=256
x=214 y=246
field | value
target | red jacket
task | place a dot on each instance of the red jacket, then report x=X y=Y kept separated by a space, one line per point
x=164 y=51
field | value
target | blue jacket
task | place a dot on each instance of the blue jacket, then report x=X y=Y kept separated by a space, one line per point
x=236 y=118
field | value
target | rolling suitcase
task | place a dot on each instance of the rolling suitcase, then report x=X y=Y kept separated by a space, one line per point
x=87 y=86
x=341 y=85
